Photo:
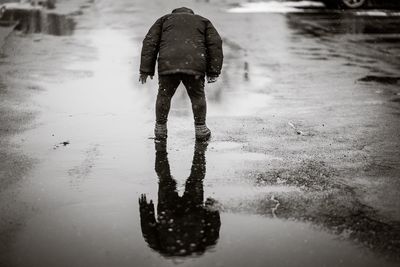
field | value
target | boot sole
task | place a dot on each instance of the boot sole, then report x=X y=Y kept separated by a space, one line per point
x=203 y=138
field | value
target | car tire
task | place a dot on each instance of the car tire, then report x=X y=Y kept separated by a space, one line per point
x=352 y=4
x=345 y=4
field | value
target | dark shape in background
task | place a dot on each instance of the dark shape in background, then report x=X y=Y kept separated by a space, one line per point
x=37 y=20
x=355 y=4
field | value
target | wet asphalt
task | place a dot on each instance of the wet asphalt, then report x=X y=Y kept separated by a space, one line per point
x=302 y=169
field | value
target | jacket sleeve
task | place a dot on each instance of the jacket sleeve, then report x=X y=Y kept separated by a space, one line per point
x=150 y=48
x=214 y=51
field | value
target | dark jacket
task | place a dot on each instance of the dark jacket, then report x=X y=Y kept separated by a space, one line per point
x=185 y=43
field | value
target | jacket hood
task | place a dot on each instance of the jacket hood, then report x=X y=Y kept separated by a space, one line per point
x=183 y=10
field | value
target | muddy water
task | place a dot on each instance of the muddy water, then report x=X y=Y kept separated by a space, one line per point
x=212 y=206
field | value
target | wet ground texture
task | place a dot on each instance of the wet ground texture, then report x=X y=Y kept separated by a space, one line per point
x=302 y=169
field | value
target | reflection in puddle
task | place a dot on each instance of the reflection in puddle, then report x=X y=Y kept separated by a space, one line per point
x=255 y=225
x=35 y=20
x=185 y=225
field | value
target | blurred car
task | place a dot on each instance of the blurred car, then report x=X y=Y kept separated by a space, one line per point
x=50 y=4
x=354 y=4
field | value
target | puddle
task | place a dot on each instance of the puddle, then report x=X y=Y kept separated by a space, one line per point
x=190 y=228
x=237 y=194
x=269 y=241
x=36 y=20
x=324 y=201
x=381 y=79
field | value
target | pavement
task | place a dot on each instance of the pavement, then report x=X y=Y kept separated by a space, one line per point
x=302 y=169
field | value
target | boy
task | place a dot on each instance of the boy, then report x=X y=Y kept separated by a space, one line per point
x=188 y=49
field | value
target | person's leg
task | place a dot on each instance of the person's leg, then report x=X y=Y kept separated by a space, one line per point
x=195 y=87
x=166 y=90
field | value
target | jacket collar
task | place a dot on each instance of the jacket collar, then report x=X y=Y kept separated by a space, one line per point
x=183 y=10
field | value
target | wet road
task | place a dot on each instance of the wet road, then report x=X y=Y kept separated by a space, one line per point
x=302 y=170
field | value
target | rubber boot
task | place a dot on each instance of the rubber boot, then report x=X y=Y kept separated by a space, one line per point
x=202 y=132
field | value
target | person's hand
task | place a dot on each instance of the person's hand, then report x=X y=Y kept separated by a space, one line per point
x=143 y=78
x=146 y=206
x=212 y=79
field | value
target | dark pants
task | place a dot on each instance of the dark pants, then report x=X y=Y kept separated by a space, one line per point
x=195 y=88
